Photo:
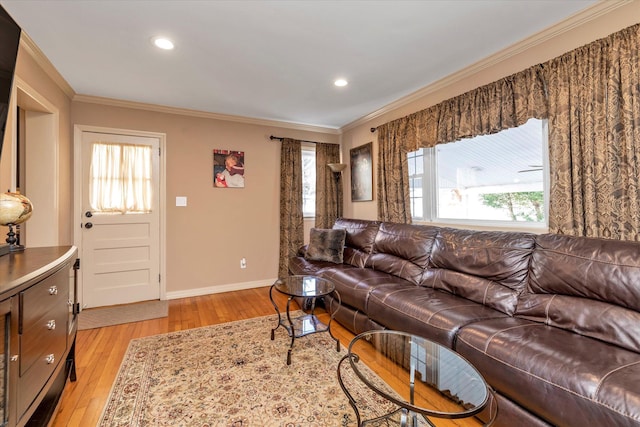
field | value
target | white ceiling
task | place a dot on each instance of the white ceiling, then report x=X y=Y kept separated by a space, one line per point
x=275 y=60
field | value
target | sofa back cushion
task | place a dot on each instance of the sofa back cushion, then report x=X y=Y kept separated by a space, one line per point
x=488 y=267
x=402 y=250
x=586 y=285
x=359 y=239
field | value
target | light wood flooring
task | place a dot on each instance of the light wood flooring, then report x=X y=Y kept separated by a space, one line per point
x=99 y=352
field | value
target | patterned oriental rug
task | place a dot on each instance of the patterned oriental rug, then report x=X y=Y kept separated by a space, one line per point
x=232 y=374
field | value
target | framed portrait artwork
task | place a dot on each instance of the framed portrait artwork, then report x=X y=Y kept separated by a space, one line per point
x=228 y=168
x=361 y=173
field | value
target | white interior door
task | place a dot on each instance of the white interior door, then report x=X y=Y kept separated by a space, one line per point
x=120 y=250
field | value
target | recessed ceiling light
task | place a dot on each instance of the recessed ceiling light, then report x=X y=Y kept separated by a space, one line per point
x=341 y=82
x=162 y=43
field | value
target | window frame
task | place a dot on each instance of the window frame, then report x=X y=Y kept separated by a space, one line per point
x=430 y=196
x=306 y=149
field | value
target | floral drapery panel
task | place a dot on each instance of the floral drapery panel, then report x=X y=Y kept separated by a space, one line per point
x=393 y=176
x=594 y=138
x=291 y=218
x=328 y=193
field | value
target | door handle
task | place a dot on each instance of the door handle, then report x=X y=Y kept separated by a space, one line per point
x=88 y=225
x=88 y=214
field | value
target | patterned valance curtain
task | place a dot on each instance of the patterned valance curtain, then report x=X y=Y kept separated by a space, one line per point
x=594 y=138
x=506 y=103
x=291 y=218
x=328 y=194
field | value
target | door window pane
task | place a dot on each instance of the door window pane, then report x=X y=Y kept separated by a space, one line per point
x=120 y=178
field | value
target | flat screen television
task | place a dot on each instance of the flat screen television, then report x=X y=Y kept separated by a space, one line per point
x=9 y=42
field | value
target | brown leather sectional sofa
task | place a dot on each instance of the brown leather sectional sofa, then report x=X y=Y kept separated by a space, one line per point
x=552 y=322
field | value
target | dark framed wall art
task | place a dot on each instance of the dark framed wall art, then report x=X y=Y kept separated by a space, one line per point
x=228 y=168
x=361 y=173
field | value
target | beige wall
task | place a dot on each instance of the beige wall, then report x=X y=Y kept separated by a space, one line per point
x=207 y=239
x=32 y=80
x=510 y=61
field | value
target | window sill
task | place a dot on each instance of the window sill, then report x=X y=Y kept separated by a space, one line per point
x=489 y=226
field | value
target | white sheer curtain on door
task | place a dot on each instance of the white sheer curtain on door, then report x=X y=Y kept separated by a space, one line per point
x=120 y=178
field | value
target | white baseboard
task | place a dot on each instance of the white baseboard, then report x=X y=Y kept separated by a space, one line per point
x=219 y=289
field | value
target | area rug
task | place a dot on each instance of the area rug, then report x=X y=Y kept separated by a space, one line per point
x=116 y=315
x=232 y=374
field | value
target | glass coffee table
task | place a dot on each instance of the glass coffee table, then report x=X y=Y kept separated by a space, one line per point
x=308 y=287
x=422 y=378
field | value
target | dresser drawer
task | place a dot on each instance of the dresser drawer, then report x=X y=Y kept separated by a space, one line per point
x=47 y=335
x=39 y=299
x=33 y=379
x=42 y=335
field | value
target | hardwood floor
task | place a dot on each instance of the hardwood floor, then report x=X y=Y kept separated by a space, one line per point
x=100 y=351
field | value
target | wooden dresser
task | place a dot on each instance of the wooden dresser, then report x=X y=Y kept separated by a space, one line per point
x=38 y=316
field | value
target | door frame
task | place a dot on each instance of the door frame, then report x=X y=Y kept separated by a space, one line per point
x=77 y=195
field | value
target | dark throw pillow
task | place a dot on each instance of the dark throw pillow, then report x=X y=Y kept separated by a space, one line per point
x=326 y=245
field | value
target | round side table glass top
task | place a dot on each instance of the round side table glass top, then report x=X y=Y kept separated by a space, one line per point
x=421 y=377
x=308 y=287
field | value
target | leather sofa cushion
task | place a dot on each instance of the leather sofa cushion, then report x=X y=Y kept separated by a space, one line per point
x=402 y=250
x=596 y=319
x=355 y=284
x=566 y=378
x=487 y=267
x=502 y=257
x=474 y=288
x=586 y=285
x=359 y=239
x=426 y=312
x=599 y=269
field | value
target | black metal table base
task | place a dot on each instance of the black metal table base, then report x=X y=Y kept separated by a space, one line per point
x=303 y=325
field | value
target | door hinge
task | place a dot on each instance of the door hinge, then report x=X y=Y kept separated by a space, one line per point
x=76 y=265
x=159 y=151
x=159 y=279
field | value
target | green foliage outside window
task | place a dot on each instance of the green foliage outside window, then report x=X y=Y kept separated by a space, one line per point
x=521 y=206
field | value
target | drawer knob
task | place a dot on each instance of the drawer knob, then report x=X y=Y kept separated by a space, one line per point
x=50 y=359
x=53 y=290
x=51 y=324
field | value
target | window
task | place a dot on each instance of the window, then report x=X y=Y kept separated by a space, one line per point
x=499 y=178
x=120 y=178
x=308 y=182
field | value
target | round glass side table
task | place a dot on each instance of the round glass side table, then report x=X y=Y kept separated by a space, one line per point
x=422 y=378
x=303 y=287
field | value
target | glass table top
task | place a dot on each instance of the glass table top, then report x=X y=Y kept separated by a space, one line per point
x=304 y=286
x=418 y=374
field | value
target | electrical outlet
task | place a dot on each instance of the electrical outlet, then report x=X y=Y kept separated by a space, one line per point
x=243 y=263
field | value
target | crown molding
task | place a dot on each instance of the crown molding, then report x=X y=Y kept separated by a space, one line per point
x=28 y=46
x=598 y=9
x=203 y=114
